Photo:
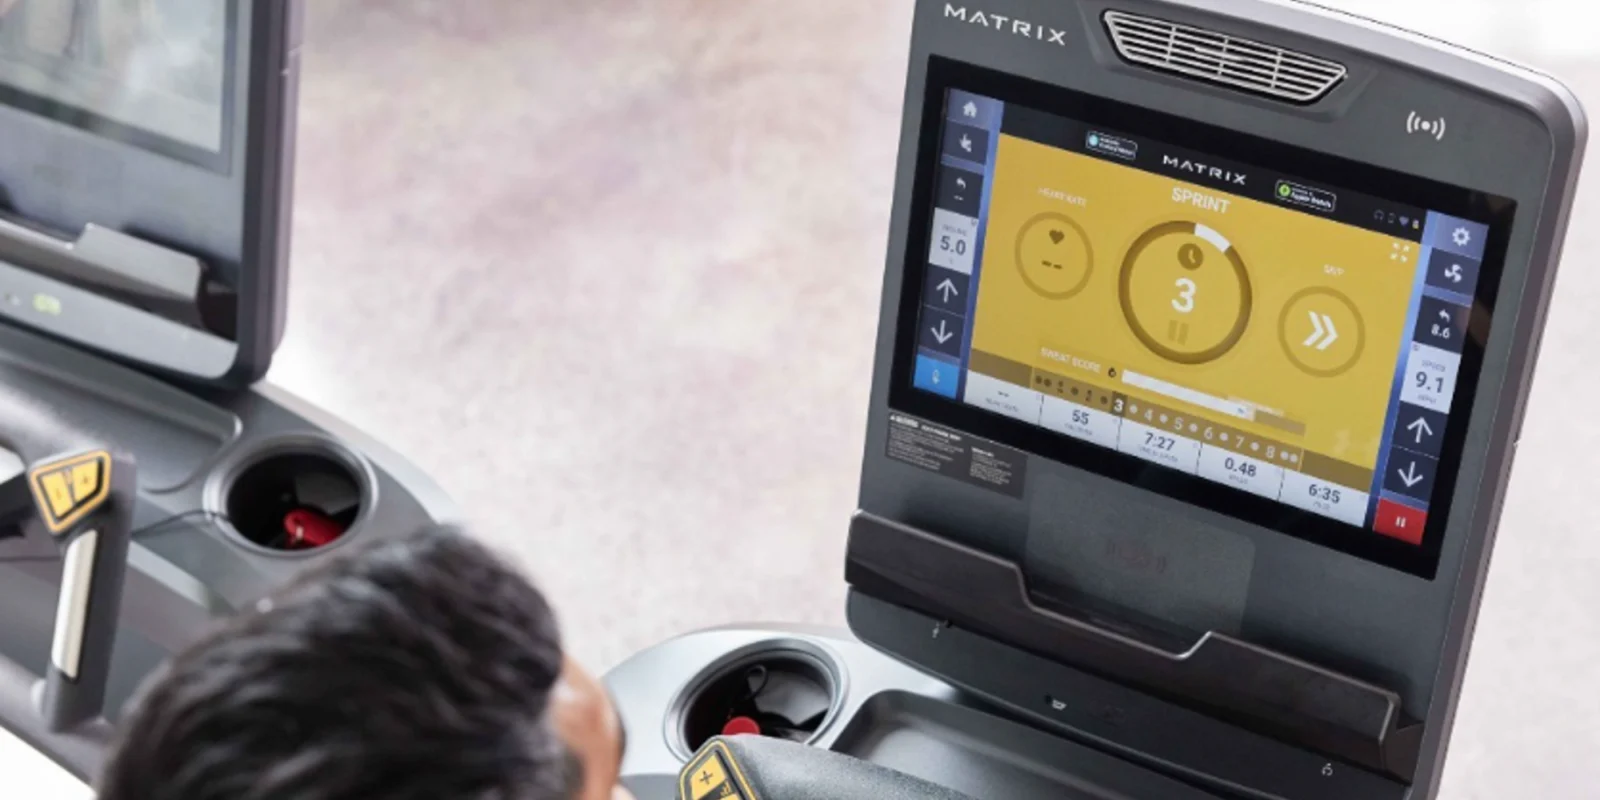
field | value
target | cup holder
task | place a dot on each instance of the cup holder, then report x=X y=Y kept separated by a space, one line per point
x=783 y=693
x=294 y=501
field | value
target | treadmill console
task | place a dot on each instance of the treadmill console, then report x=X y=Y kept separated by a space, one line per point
x=1207 y=333
x=145 y=178
x=1294 y=339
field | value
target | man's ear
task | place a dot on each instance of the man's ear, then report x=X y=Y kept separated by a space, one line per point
x=587 y=723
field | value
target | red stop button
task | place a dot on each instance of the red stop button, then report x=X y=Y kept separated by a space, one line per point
x=1400 y=521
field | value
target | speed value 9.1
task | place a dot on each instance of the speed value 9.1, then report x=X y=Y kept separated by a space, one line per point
x=1429 y=383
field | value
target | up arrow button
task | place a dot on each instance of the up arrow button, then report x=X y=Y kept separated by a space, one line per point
x=1419 y=430
x=946 y=291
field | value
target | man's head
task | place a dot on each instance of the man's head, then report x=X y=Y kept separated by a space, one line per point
x=423 y=667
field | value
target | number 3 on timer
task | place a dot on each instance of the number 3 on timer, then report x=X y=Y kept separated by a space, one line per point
x=1186 y=292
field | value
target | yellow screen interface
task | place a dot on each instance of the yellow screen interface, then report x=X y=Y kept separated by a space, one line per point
x=1282 y=338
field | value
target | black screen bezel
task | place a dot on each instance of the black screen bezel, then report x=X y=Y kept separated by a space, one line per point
x=1422 y=561
x=216 y=160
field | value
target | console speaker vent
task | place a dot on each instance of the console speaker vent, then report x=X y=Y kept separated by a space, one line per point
x=1220 y=58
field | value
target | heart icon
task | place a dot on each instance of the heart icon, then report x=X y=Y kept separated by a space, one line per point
x=1057 y=236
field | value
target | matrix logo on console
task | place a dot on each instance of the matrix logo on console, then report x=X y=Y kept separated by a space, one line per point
x=1197 y=168
x=1017 y=27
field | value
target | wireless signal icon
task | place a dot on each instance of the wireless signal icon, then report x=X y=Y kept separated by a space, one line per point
x=1426 y=127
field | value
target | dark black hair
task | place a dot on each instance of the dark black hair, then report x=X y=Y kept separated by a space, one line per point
x=417 y=667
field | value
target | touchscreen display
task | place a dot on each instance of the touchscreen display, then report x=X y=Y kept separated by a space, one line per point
x=155 y=68
x=1196 y=320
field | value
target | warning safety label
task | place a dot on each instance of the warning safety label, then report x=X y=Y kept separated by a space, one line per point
x=957 y=455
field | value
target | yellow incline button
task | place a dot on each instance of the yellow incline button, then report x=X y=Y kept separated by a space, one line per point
x=708 y=779
x=58 y=493
x=85 y=481
x=66 y=491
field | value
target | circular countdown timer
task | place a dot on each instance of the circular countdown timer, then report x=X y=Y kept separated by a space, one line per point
x=1186 y=293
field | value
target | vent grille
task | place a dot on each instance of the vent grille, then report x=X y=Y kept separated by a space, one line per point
x=1220 y=58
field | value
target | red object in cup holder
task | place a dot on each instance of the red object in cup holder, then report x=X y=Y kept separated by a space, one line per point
x=308 y=530
x=781 y=693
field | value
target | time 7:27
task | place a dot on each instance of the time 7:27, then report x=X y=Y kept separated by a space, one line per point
x=1156 y=441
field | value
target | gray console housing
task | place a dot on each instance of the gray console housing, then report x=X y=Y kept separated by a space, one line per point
x=1342 y=612
x=72 y=176
x=1513 y=133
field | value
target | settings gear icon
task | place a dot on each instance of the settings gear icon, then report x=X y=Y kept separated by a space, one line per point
x=1462 y=237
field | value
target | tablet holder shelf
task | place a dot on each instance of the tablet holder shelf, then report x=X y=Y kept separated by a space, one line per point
x=105 y=260
x=1267 y=692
